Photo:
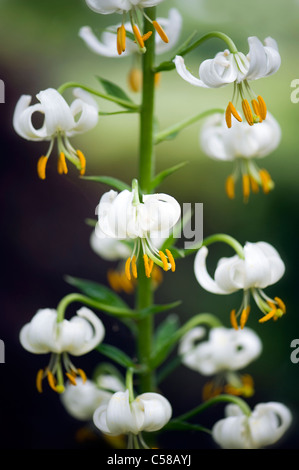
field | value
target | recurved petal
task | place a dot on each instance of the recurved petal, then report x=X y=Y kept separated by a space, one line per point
x=58 y=116
x=257 y=267
x=106 y=7
x=87 y=109
x=38 y=336
x=277 y=266
x=231 y=433
x=157 y=411
x=188 y=347
x=273 y=56
x=219 y=71
x=268 y=423
x=257 y=59
x=87 y=332
x=202 y=275
x=185 y=74
x=22 y=120
x=161 y=213
x=105 y=47
x=119 y=417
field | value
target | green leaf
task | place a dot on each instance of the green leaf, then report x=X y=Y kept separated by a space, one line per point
x=114 y=90
x=97 y=292
x=165 y=330
x=154 y=309
x=116 y=355
x=110 y=181
x=164 y=174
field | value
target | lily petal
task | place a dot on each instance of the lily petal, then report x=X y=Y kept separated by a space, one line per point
x=157 y=411
x=87 y=109
x=257 y=59
x=185 y=74
x=203 y=276
x=58 y=116
x=22 y=120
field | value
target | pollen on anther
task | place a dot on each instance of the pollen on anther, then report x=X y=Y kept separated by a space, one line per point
x=164 y=261
x=262 y=107
x=247 y=112
x=82 y=160
x=51 y=380
x=246 y=186
x=62 y=167
x=228 y=116
x=230 y=187
x=268 y=316
x=160 y=31
x=281 y=304
x=39 y=378
x=41 y=167
x=127 y=268
x=134 y=267
x=244 y=316
x=233 y=320
x=71 y=378
x=171 y=259
x=147 y=35
x=82 y=375
x=234 y=112
x=138 y=36
x=146 y=265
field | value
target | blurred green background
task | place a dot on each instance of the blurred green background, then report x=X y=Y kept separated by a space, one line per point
x=44 y=234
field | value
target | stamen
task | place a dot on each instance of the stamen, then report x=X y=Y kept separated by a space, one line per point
x=268 y=316
x=151 y=264
x=134 y=267
x=147 y=35
x=39 y=378
x=61 y=166
x=256 y=109
x=146 y=265
x=234 y=112
x=254 y=185
x=51 y=380
x=233 y=320
x=247 y=112
x=41 y=167
x=118 y=41
x=122 y=36
x=113 y=280
x=82 y=161
x=281 y=304
x=266 y=180
x=244 y=316
x=135 y=79
x=228 y=116
x=138 y=36
x=230 y=187
x=246 y=186
x=160 y=31
x=164 y=261
x=157 y=79
x=71 y=378
x=82 y=375
x=171 y=259
x=262 y=107
x=127 y=268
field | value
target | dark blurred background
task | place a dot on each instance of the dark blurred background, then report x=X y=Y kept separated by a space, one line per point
x=44 y=234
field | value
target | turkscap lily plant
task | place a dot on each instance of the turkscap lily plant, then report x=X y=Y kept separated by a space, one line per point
x=140 y=229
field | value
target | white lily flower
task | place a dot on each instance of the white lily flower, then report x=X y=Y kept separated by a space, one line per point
x=105 y=46
x=110 y=249
x=241 y=144
x=147 y=412
x=133 y=7
x=267 y=423
x=261 y=267
x=61 y=121
x=234 y=67
x=222 y=354
x=82 y=401
x=122 y=216
x=78 y=336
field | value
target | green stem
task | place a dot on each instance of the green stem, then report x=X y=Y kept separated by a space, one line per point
x=165 y=66
x=114 y=99
x=183 y=124
x=70 y=298
x=213 y=401
x=129 y=384
x=219 y=237
x=144 y=295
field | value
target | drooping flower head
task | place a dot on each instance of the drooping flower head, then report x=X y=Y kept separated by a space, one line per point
x=61 y=121
x=267 y=423
x=82 y=401
x=241 y=144
x=148 y=412
x=221 y=355
x=236 y=68
x=45 y=334
x=123 y=216
x=261 y=267
x=134 y=8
